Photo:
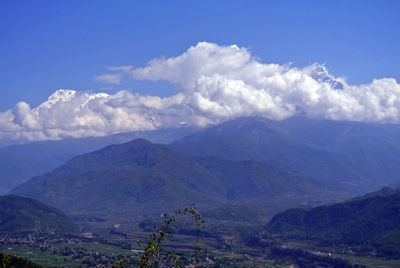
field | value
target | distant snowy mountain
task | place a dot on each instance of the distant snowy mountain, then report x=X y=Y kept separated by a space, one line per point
x=320 y=73
x=66 y=95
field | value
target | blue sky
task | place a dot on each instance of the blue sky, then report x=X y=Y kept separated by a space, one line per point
x=48 y=45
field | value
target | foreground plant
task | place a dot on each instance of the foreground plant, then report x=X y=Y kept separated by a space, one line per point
x=153 y=250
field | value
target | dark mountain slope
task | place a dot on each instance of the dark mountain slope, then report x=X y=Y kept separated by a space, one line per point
x=18 y=163
x=263 y=140
x=21 y=214
x=131 y=177
x=374 y=220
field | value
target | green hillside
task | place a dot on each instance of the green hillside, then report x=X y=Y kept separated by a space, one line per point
x=139 y=177
x=21 y=214
x=19 y=163
x=371 y=222
x=135 y=177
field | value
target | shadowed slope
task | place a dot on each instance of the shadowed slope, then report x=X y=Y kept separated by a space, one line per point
x=371 y=220
x=21 y=214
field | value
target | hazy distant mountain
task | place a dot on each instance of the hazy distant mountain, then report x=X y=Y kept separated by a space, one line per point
x=375 y=148
x=385 y=191
x=396 y=185
x=256 y=190
x=371 y=221
x=18 y=163
x=146 y=178
x=255 y=181
x=266 y=141
x=21 y=214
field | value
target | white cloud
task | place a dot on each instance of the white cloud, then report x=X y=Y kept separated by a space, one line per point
x=223 y=82
x=116 y=75
x=216 y=83
x=122 y=68
x=68 y=113
x=109 y=78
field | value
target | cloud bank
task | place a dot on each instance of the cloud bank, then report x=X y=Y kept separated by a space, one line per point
x=216 y=83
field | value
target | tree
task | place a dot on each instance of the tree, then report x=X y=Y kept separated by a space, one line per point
x=153 y=250
x=11 y=261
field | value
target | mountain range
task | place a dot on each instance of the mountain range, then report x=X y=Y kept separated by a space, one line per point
x=243 y=161
x=361 y=155
x=374 y=148
x=19 y=163
x=146 y=178
x=266 y=141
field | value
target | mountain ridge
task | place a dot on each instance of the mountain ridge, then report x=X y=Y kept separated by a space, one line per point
x=372 y=221
x=263 y=140
x=19 y=163
x=139 y=176
x=136 y=171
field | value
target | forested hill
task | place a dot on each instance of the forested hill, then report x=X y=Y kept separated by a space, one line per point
x=141 y=177
x=21 y=214
x=369 y=221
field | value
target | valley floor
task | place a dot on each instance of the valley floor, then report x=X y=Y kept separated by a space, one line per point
x=225 y=249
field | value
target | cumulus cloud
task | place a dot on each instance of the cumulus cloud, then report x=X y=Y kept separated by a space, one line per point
x=216 y=83
x=115 y=76
x=69 y=113
x=223 y=82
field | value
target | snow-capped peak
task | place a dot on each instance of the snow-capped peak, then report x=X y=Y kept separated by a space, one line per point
x=67 y=95
x=59 y=95
x=320 y=73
